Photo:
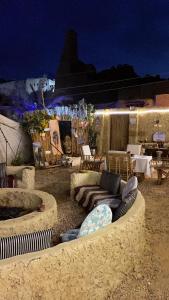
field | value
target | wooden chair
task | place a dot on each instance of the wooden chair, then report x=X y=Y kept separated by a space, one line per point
x=162 y=168
x=120 y=162
x=89 y=161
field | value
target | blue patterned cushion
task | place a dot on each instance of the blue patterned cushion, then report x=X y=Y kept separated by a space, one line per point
x=99 y=217
x=69 y=235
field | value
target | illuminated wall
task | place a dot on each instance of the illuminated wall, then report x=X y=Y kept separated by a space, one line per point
x=162 y=100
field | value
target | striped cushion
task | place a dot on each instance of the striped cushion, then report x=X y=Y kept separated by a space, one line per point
x=88 y=196
x=80 y=191
x=25 y=243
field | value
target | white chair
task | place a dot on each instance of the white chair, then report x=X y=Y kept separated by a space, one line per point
x=86 y=152
x=134 y=149
x=88 y=161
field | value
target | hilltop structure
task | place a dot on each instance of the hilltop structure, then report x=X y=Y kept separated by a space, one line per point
x=71 y=70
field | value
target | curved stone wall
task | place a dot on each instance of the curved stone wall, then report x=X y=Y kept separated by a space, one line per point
x=86 y=268
x=32 y=222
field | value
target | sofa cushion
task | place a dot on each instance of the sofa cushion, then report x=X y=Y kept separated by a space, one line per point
x=113 y=203
x=81 y=191
x=88 y=196
x=99 y=217
x=35 y=241
x=131 y=184
x=69 y=235
x=125 y=205
x=110 y=182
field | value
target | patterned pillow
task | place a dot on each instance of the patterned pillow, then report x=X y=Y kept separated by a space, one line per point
x=110 y=182
x=131 y=184
x=125 y=205
x=99 y=217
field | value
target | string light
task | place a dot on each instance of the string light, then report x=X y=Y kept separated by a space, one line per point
x=130 y=112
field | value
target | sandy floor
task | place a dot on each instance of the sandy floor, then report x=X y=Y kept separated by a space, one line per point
x=151 y=280
x=56 y=181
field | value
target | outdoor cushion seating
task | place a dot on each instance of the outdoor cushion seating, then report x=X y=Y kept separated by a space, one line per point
x=125 y=205
x=126 y=196
x=25 y=243
x=89 y=195
x=110 y=182
x=129 y=195
x=69 y=235
x=131 y=185
x=98 y=218
x=112 y=203
x=122 y=204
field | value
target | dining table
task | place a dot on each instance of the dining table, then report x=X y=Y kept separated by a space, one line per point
x=142 y=164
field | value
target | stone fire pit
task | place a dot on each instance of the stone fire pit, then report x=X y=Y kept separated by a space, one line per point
x=32 y=222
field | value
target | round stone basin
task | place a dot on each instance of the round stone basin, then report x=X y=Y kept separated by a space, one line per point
x=7 y=213
x=29 y=200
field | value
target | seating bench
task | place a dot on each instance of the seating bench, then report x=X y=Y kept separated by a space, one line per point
x=91 y=189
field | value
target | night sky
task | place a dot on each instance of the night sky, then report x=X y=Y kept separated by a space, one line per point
x=110 y=32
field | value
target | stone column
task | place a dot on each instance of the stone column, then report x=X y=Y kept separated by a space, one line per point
x=133 y=128
x=104 y=137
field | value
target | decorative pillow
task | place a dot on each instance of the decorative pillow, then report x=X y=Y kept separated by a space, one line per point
x=25 y=243
x=110 y=182
x=125 y=205
x=99 y=217
x=131 y=185
x=113 y=203
x=69 y=235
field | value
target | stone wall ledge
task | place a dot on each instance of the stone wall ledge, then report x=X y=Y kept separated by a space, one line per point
x=86 y=268
x=31 y=222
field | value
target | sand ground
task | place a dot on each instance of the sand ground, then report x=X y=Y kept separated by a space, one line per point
x=148 y=281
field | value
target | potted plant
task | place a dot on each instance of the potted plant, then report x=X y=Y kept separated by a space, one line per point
x=36 y=121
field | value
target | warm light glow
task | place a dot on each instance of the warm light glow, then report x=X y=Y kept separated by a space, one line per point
x=154 y=110
x=47 y=152
x=114 y=112
x=130 y=112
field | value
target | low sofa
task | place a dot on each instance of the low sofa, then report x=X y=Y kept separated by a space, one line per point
x=93 y=188
x=98 y=193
